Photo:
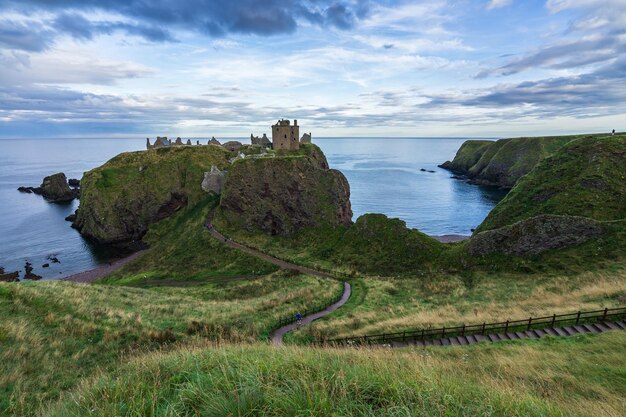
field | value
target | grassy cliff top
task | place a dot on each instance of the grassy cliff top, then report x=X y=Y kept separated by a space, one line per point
x=505 y=161
x=586 y=177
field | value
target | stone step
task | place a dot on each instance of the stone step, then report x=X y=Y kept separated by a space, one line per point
x=570 y=330
x=590 y=328
x=551 y=332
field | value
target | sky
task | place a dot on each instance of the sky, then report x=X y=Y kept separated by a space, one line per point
x=202 y=68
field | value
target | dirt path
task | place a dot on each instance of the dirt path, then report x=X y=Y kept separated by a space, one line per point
x=278 y=334
x=102 y=270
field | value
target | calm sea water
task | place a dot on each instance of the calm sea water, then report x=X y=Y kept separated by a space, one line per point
x=384 y=177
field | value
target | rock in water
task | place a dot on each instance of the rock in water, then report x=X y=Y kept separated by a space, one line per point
x=56 y=189
x=213 y=180
x=29 y=272
x=9 y=277
x=73 y=182
x=535 y=235
x=282 y=195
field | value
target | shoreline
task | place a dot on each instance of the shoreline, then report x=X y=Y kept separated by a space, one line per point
x=451 y=238
x=101 y=271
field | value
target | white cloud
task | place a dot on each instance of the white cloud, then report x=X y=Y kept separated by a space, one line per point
x=496 y=4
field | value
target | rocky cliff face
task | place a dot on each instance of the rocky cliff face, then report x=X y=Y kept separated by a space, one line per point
x=535 y=235
x=284 y=194
x=120 y=199
x=502 y=163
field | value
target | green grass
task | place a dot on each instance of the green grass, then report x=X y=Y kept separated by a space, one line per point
x=182 y=249
x=54 y=334
x=578 y=376
x=584 y=178
x=384 y=305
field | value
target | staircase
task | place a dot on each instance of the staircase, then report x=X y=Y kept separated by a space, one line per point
x=508 y=336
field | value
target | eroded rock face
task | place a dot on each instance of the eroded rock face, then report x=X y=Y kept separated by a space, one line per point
x=214 y=180
x=282 y=195
x=535 y=235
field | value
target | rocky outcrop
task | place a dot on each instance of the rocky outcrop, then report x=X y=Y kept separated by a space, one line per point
x=213 y=180
x=502 y=163
x=28 y=267
x=535 y=235
x=54 y=188
x=122 y=198
x=9 y=277
x=281 y=195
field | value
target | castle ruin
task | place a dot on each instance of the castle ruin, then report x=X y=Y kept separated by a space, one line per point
x=286 y=136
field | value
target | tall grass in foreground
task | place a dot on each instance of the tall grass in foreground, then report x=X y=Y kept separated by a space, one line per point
x=579 y=376
x=54 y=334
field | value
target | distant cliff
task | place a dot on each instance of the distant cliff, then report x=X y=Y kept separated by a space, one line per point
x=586 y=177
x=281 y=195
x=502 y=163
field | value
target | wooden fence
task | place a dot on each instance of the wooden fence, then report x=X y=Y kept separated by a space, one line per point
x=580 y=317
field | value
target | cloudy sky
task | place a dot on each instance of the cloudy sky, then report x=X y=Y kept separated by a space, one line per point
x=137 y=68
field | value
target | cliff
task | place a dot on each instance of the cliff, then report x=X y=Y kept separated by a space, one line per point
x=585 y=178
x=502 y=163
x=284 y=194
x=123 y=197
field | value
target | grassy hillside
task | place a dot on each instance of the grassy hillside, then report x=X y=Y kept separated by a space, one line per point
x=382 y=305
x=584 y=178
x=505 y=161
x=182 y=250
x=54 y=334
x=579 y=376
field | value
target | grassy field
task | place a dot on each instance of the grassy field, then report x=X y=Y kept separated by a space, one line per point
x=578 y=376
x=382 y=305
x=53 y=334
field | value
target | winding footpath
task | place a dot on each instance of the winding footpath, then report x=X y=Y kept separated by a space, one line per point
x=278 y=334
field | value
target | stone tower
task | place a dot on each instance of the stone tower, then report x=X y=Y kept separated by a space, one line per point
x=285 y=136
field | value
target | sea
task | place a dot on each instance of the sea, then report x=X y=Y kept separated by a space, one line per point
x=386 y=175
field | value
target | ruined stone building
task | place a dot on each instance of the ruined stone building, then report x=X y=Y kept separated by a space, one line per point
x=263 y=141
x=286 y=136
x=306 y=138
x=160 y=142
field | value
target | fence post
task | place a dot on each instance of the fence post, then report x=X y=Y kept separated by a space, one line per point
x=506 y=327
x=553 y=319
x=578 y=317
x=483 y=331
x=404 y=336
x=463 y=331
x=443 y=332
x=530 y=322
x=606 y=310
